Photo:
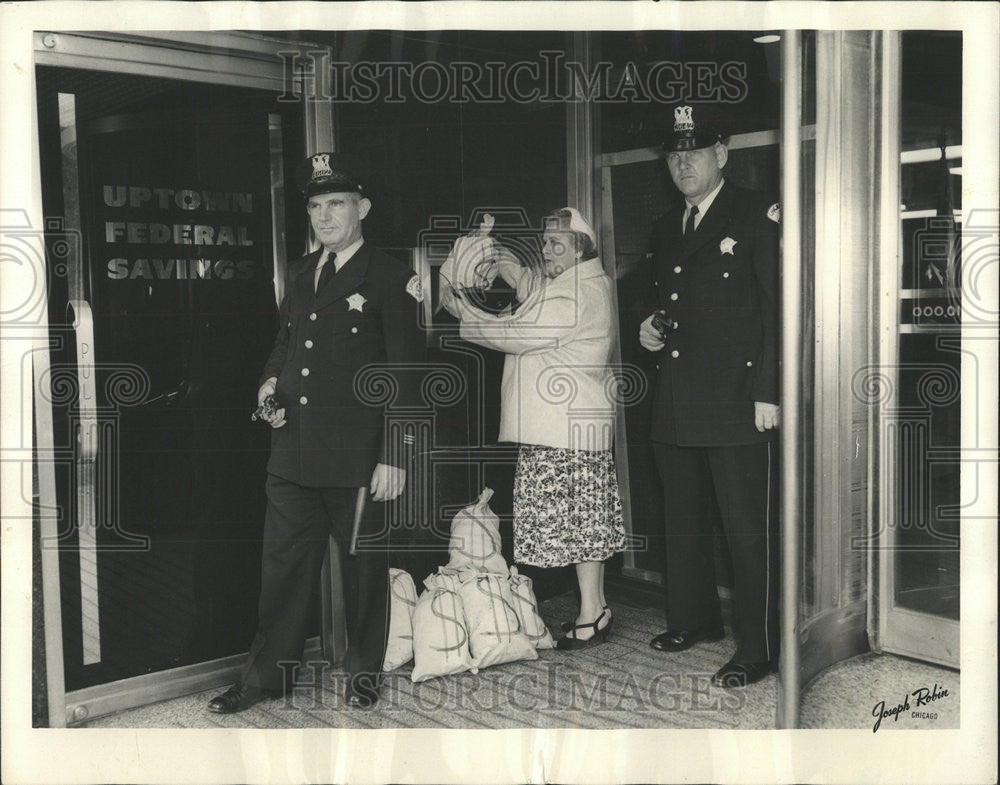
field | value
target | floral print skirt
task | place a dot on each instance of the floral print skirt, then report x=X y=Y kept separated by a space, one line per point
x=567 y=508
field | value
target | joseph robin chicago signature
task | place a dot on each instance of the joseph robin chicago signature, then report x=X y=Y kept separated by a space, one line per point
x=921 y=697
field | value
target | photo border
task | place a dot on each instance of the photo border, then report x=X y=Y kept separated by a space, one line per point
x=530 y=755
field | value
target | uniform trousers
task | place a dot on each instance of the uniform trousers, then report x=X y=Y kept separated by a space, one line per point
x=297 y=527
x=737 y=483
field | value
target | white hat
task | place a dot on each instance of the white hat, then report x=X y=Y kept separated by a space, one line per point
x=577 y=223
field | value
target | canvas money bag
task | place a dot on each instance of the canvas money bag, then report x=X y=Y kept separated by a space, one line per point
x=472 y=263
x=402 y=601
x=495 y=634
x=526 y=606
x=440 y=635
x=475 y=538
x=447 y=578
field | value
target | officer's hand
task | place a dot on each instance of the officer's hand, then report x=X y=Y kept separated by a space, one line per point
x=387 y=482
x=649 y=336
x=765 y=415
x=278 y=420
x=266 y=389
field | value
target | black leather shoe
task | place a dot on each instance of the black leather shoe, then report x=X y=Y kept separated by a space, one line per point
x=739 y=674
x=239 y=697
x=360 y=700
x=361 y=691
x=681 y=640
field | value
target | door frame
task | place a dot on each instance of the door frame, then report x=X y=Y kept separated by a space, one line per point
x=232 y=59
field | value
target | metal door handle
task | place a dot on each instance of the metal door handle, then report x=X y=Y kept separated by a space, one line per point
x=83 y=327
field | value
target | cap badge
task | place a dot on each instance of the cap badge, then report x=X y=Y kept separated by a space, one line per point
x=774 y=213
x=682 y=119
x=321 y=165
x=726 y=246
x=414 y=289
x=356 y=302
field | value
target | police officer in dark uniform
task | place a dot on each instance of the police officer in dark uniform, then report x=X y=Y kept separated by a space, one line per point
x=715 y=405
x=347 y=306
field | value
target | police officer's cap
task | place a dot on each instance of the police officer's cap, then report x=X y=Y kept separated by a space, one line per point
x=325 y=173
x=694 y=128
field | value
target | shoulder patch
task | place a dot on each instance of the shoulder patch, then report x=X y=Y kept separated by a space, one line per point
x=774 y=212
x=414 y=289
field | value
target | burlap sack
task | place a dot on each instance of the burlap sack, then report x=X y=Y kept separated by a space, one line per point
x=403 y=599
x=440 y=635
x=475 y=538
x=526 y=607
x=495 y=633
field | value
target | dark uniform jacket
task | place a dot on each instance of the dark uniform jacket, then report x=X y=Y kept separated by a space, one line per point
x=366 y=314
x=720 y=286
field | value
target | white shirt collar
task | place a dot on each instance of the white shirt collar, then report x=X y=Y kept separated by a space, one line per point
x=343 y=257
x=705 y=203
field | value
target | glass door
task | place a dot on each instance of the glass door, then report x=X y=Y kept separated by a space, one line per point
x=162 y=313
x=922 y=349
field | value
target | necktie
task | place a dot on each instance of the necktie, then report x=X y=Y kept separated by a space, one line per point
x=327 y=272
x=689 y=224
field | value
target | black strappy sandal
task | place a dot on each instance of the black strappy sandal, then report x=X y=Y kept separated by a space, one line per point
x=566 y=626
x=572 y=643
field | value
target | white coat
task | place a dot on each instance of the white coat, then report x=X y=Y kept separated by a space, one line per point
x=557 y=389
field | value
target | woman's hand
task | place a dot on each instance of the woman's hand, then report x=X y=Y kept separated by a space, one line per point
x=486 y=225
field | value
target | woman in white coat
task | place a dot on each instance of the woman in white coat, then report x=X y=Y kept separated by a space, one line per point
x=558 y=402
